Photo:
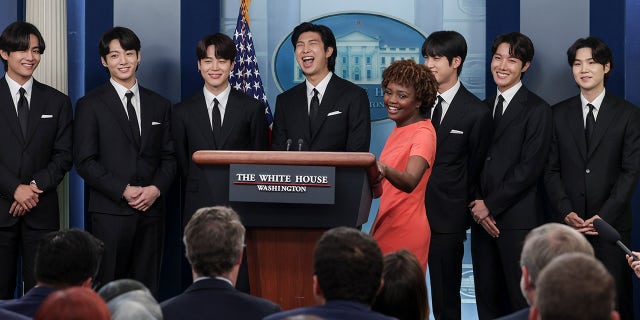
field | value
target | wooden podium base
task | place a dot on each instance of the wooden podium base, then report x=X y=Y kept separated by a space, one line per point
x=280 y=264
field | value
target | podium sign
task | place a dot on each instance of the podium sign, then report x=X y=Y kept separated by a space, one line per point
x=282 y=183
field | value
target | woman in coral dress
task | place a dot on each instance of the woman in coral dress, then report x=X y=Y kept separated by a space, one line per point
x=405 y=163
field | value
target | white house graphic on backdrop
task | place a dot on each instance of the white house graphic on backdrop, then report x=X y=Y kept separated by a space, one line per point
x=362 y=59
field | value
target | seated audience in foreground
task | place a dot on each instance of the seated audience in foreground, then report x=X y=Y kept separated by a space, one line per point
x=574 y=286
x=75 y=303
x=64 y=259
x=10 y=315
x=404 y=294
x=129 y=299
x=214 y=239
x=347 y=268
x=542 y=245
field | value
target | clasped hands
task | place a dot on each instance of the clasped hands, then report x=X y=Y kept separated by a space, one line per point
x=581 y=225
x=141 y=198
x=482 y=216
x=26 y=197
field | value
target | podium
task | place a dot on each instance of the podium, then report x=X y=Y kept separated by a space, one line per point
x=281 y=237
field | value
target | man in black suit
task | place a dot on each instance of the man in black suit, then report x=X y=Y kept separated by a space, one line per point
x=124 y=152
x=594 y=160
x=35 y=123
x=509 y=202
x=214 y=238
x=463 y=126
x=326 y=112
x=64 y=259
x=217 y=118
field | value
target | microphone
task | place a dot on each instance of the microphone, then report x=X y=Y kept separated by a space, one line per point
x=289 y=141
x=609 y=234
x=300 y=142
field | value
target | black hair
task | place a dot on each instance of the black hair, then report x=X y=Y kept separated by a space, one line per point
x=520 y=46
x=17 y=37
x=326 y=35
x=127 y=38
x=225 y=47
x=448 y=44
x=600 y=52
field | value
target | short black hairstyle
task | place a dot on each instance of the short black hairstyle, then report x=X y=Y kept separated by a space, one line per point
x=448 y=44
x=326 y=35
x=127 y=38
x=67 y=258
x=520 y=46
x=225 y=47
x=600 y=52
x=17 y=37
x=348 y=265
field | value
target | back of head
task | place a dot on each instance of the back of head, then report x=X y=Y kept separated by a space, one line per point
x=127 y=38
x=575 y=286
x=118 y=287
x=449 y=44
x=134 y=305
x=404 y=294
x=326 y=35
x=214 y=238
x=348 y=265
x=67 y=258
x=520 y=46
x=225 y=47
x=549 y=241
x=16 y=37
x=75 y=303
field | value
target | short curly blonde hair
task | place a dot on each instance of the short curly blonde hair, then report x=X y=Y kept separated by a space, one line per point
x=410 y=74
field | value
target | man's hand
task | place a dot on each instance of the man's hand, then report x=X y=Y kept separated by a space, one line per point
x=26 y=195
x=17 y=210
x=591 y=230
x=146 y=198
x=635 y=265
x=131 y=193
x=482 y=216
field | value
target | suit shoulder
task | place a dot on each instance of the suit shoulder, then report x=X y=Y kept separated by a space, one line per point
x=534 y=99
x=51 y=92
x=566 y=103
x=473 y=104
x=245 y=99
x=348 y=85
x=152 y=94
x=293 y=90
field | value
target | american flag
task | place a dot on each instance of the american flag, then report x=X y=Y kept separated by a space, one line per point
x=246 y=75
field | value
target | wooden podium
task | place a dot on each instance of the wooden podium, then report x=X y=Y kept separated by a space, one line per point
x=281 y=237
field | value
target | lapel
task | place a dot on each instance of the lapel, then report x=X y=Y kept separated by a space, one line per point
x=230 y=114
x=301 y=112
x=36 y=108
x=329 y=99
x=454 y=114
x=514 y=108
x=114 y=105
x=576 y=125
x=198 y=111
x=146 y=115
x=609 y=110
x=8 y=110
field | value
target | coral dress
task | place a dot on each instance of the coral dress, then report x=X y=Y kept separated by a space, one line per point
x=402 y=222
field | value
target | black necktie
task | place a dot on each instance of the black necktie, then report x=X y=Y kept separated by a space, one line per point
x=133 y=119
x=313 y=109
x=589 y=124
x=497 y=113
x=437 y=114
x=23 y=112
x=216 y=122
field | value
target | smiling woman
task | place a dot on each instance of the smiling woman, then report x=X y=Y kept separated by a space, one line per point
x=406 y=160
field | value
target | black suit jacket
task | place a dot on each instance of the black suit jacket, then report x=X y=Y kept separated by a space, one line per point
x=105 y=153
x=600 y=180
x=244 y=128
x=216 y=299
x=28 y=304
x=44 y=156
x=516 y=160
x=464 y=136
x=344 y=117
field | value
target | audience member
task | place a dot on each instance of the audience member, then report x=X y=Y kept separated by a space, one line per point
x=214 y=239
x=542 y=245
x=404 y=294
x=63 y=259
x=347 y=276
x=574 y=286
x=128 y=299
x=10 y=315
x=635 y=265
x=76 y=303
